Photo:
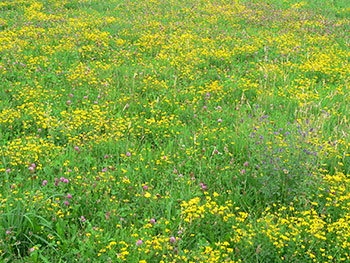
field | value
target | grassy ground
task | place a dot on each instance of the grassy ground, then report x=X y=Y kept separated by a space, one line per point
x=174 y=131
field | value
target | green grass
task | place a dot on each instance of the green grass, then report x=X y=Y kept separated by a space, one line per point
x=174 y=131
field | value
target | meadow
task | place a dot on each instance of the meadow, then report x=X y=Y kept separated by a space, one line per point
x=174 y=131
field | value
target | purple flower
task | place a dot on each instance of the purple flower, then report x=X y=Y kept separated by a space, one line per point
x=66 y=203
x=128 y=154
x=203 y=186
x=104 y=170
x=62 y=179
x=145 y=187
x=83 y=219
x=107 y=215
x=246 y=164
x=8 y=170
x=69 y=196
x=66 y=181
x=219 y=120
x=44 y=182
x=172 y=240
x=138 y=242
x=152 y=221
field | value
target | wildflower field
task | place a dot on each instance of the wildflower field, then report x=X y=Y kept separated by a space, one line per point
x=174 y=131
